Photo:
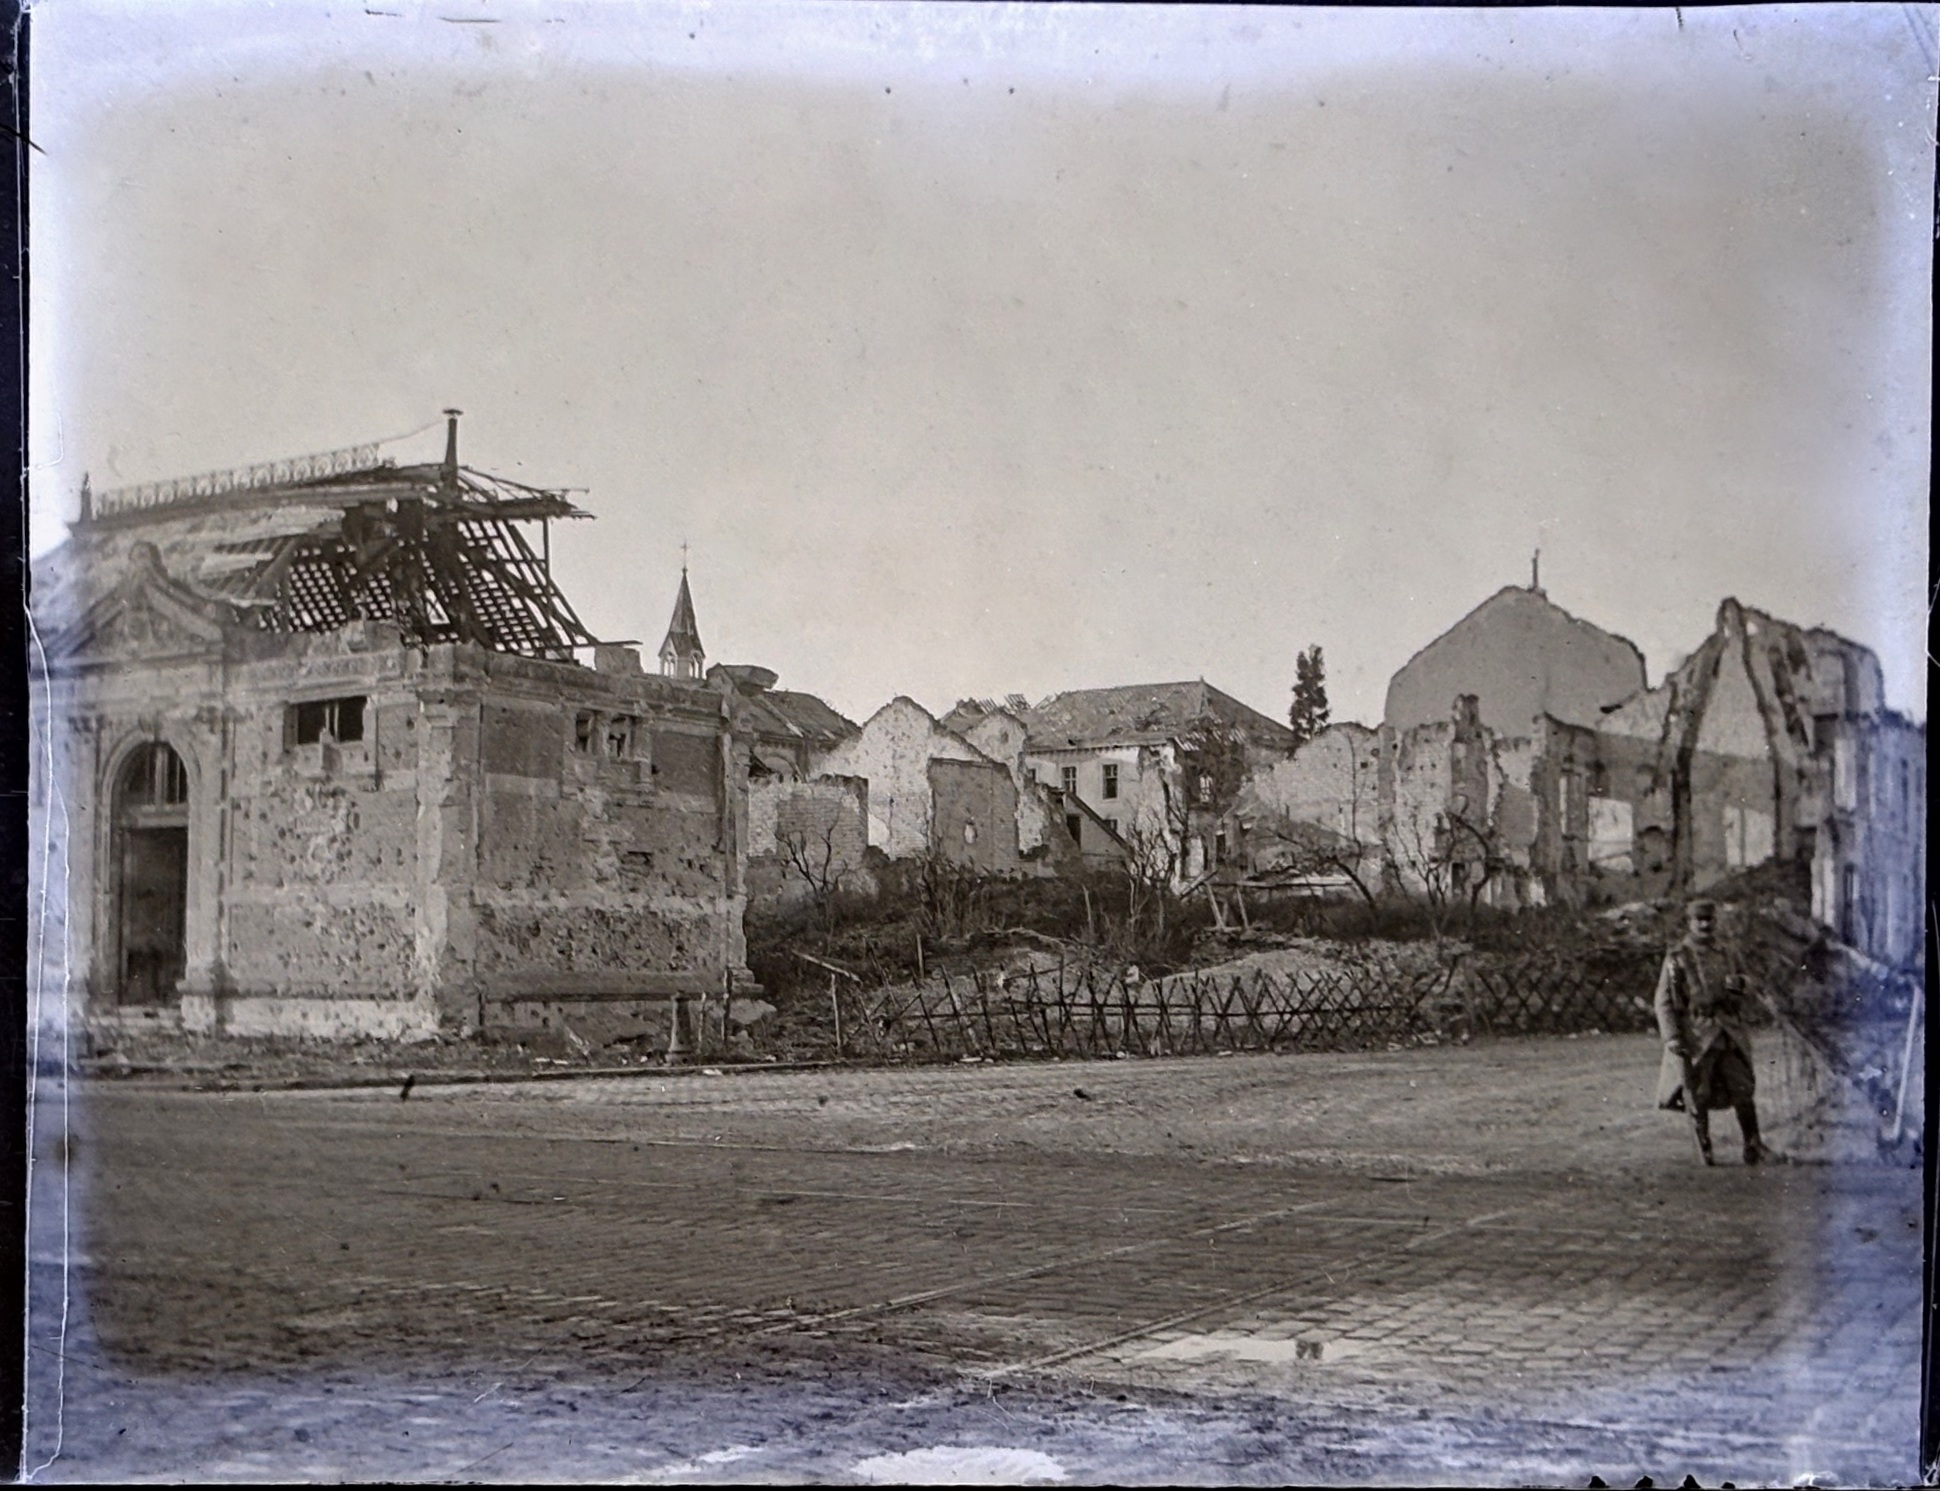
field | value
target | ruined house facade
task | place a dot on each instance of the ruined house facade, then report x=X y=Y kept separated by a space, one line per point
x=317 y=759
x=808 y=835
x=1770 y=744
x=931 y=793
x=1162 y=765
x=1520 y=656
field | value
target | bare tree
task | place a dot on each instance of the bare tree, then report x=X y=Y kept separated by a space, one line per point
x=1309 y=849
x=811 y=854
x=1204 y=787
x=1454 y=863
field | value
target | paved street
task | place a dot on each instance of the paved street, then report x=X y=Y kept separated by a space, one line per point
x=1473 y=1265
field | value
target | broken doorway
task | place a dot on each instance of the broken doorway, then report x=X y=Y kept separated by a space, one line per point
x=152 y=876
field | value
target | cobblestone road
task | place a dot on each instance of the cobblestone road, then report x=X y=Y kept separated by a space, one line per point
x=1491 y=1264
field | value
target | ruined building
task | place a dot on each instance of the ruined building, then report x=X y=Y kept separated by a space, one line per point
x=318 y=751
x=1162 y=764
x=1771 y=744
x=1521 y=656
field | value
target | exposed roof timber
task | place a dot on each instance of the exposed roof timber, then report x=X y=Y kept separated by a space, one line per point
x=477 y=493
x=443 y=567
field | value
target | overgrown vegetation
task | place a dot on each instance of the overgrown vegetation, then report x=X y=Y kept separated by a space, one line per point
x=928 y=917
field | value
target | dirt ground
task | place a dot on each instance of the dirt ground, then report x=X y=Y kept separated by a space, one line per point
x=1487 y=1265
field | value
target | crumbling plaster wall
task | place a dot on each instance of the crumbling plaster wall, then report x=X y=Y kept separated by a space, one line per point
x=606 y=868
x=824 y=820
x=893 y=754
x=1332 y=781
x=1003 y=736
x=975 y=816
x=391 y=885
x=301 y=859
x=1869 y=853
x=1461 y=806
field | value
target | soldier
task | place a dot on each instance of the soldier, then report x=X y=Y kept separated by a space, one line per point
x=1707 y=1047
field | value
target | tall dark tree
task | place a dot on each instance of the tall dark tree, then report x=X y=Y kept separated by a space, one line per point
x=1308 y=716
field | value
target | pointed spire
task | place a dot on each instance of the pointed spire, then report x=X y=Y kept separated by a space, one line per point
x=681 y=655
x=1536 y=572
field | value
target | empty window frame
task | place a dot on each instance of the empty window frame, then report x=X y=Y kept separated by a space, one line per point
x=339 y=720
x=621 y=733
x=1068 y=779
x=154 y=778
x=1108 y=779
x=616 y=737
x=1074 y=825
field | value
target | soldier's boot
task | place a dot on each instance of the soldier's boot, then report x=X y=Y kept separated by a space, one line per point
x=1701 y=1122
x=1756 y=1150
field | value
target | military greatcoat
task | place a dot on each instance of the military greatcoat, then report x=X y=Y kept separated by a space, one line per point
x=1700 y=1003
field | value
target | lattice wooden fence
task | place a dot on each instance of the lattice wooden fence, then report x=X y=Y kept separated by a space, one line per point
x=1090 y=1011
x=1541 y=994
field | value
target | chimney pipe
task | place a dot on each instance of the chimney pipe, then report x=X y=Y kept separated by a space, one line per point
x=451 y=444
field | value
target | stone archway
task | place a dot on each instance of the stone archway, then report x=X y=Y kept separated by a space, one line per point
x=151 y=876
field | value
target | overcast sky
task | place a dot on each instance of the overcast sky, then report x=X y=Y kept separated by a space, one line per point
x=983 y=349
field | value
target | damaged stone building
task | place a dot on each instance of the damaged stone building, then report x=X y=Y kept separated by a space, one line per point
x=1770 y=743
x=932 y=792
x=319 y=751
x=1163 y=765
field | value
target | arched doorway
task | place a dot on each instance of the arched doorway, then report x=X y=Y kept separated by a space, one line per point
x=151 y=857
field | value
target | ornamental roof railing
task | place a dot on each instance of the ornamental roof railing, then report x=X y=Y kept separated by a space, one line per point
x=263 y=475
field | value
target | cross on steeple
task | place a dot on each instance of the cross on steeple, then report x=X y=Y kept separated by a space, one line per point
x=681 y=654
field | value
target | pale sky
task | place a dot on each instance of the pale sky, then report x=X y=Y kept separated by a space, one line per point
x=989 y=349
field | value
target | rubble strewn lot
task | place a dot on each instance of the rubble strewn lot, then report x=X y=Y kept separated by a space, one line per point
x=1460 y=1265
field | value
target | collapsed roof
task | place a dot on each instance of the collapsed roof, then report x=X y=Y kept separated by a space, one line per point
x=312 y=544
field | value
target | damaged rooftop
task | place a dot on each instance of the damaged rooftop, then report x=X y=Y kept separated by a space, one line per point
x=313 y=543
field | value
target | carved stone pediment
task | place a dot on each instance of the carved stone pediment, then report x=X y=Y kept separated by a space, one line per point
x=146 y=617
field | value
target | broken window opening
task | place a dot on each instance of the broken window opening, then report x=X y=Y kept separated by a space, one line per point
x=586 y=733
x=339 y=721
x=155 y=778
x=1109 y=779
x=1068 y=779
x=621 y=732
x=1075 y=826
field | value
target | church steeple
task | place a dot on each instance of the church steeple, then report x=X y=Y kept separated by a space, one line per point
x=681 y=655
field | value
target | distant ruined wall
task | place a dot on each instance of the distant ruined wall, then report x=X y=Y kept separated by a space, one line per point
x=1333 y=782
x=825 y=820
x=1521 y=657
x=893 y=752
x=975 y=823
